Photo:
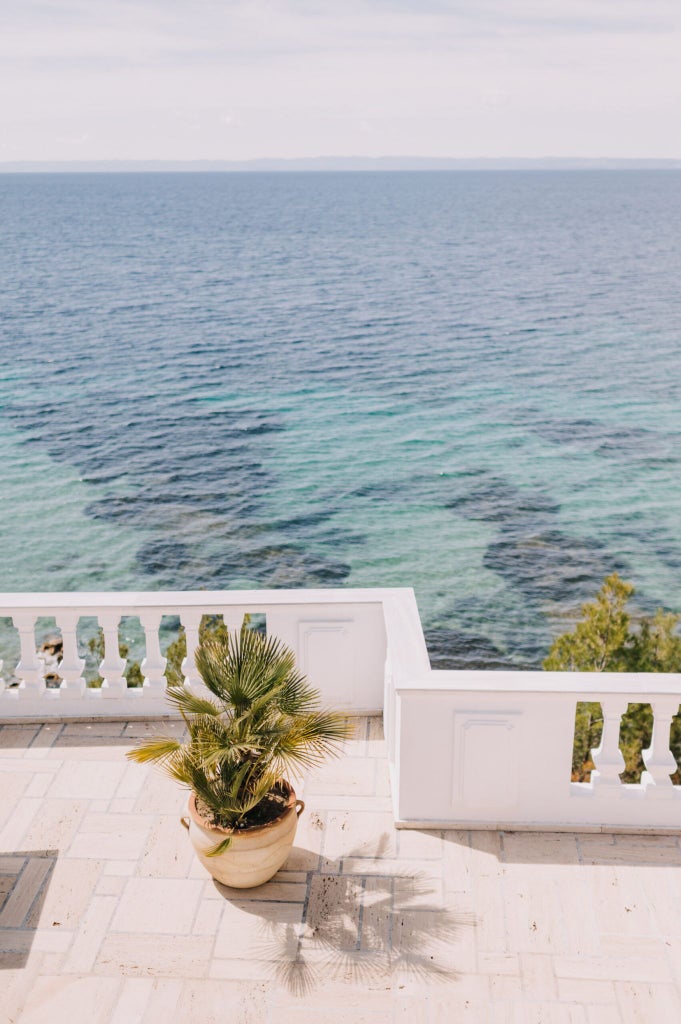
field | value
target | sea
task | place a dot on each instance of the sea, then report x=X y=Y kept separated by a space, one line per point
x=468 y=383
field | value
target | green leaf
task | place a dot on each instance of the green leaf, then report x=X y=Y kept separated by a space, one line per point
x=220 y=848
x=157 y=749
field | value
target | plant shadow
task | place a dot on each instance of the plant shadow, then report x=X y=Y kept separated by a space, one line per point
x=375 y=926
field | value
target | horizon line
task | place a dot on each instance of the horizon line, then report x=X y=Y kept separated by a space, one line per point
x=339 y=163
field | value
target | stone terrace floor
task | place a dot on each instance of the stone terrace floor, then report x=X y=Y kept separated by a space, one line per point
x=106 y=916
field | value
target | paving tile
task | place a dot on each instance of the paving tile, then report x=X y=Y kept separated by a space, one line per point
x=163 y=999
x=350 y=776
x=208 y=917
x=540 y=848
x=46 y=735
x=539 y=980
x=102 y=749
x=274 y=891
x=92 y=729
x=143 y=955
x=38 y=785
x=622 y=968
x=18 y=822
x=132 y=783
x=267 y=970
x=418 y=844
x=154 y=727
x=641 y=1003
x=629 y=850
x=76 y=780
x=120 y=867
x=333 y=912
x=163 y=906
x=78 y=1000
x=213 y=1001
x=88 y=939
x=258 y=930
x=159 y=795
x=167 y=851
x=67 y=895
x=499 y=963
x=545 y=1013
x=359 y=834
x=132 y=1002
x=108 y=885
x=111 y=836
x=25 y=891
x=590 y=992
x=44 y=940
x=124 y=805
x=56 y=824
x=16 y=738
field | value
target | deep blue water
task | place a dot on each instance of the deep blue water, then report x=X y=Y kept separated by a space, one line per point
x=465 y=382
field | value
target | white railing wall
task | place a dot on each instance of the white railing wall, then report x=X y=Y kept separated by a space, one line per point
x=465 y=749
x=494 y=749
x=338 y=637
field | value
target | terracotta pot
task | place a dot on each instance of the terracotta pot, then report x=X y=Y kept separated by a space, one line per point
x=255 y=854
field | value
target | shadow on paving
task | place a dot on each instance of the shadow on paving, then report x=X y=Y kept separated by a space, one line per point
x=24 y=879
x=74 y=733
x=579 y=848
x=370 y=929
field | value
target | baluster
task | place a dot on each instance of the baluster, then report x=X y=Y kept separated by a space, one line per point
x=658 y=758
x=71 y=666
x=154 y=663
x=111 y=668
x=608 y=757
x=191 y=620
x=29 y=670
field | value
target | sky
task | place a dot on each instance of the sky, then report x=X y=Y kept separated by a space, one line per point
x=249 y=79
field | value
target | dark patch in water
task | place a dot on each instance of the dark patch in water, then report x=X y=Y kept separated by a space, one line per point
x=551 y=565
x=543 y=562
x=163 y=556
x=281 y=566
x=451 y=649
x=610 y=440
x=499 y=501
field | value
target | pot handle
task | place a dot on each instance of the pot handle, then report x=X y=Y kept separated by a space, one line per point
x=300 y=807
x=185 y=821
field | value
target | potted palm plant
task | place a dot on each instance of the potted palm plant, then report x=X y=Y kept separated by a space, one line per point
x=261 y=722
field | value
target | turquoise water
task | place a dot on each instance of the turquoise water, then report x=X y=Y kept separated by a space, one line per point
x=468 y=383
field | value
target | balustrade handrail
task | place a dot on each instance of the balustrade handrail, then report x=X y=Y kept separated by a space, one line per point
x=45 y=603
x=584 y=686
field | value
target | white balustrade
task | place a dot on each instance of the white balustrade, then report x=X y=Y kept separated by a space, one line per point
x=191 y=620
x=608 y=756
x=154 y=664
x=658 y=758
x=71 y=666
x=29 y=670
x=112 y=667
x=466 y=749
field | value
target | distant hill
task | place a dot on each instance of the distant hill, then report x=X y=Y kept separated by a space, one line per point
x=338 y=163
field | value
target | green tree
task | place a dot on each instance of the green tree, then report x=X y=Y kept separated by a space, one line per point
x=605 y=641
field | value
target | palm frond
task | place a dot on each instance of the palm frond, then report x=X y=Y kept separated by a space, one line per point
x=189 y=703
x=160 y=748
